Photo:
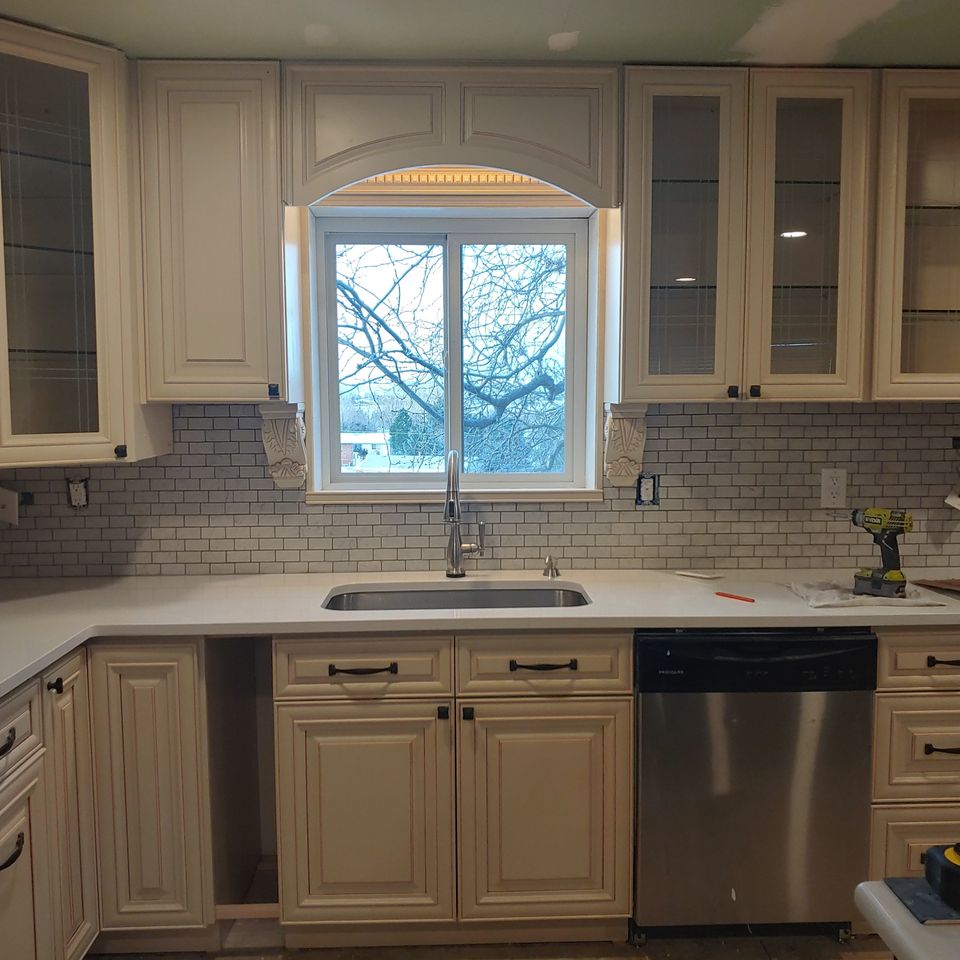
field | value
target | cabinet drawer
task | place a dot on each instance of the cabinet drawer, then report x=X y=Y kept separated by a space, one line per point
x=915 y=736
x=544 y=663
x=900 y=835
x=363 y=667
x=20 y=729
x=919 y=660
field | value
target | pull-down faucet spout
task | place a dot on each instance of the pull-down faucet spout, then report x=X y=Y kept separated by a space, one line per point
x=452 y=517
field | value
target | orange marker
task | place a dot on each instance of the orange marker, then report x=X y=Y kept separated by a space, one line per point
x=735 y=596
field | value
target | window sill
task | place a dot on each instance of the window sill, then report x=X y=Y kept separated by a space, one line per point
x=318 y=497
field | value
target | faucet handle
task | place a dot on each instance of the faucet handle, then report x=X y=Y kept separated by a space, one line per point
x=550 y=568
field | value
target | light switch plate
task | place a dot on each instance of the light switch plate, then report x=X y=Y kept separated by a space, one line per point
x=9 y=506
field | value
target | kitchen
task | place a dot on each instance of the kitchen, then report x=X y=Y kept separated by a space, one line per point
x=185 y=509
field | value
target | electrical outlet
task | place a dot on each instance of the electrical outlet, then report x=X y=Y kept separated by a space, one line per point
x=77 y=490
x=648 y=490
x=833 y=488
x=955 y=443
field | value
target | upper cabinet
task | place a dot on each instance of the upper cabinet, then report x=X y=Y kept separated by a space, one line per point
x=213 y=245
x=737 y=291
x=345 y=123
x=918 y=254
x=69 y=389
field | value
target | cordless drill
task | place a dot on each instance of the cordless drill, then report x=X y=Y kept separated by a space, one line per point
x=885 y=525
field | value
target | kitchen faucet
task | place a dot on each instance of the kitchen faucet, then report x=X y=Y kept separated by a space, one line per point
x=456 y=548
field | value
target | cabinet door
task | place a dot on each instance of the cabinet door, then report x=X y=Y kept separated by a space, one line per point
x=545 y=813
x=61 y=379
x=151 y=796
x=24 y=867
x=212 y=230
x=365 y=807
x=918 y=243
x=69 y=762
x=684 y=234
x=808 y=228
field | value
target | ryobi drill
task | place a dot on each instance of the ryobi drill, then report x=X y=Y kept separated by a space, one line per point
x=886 y=525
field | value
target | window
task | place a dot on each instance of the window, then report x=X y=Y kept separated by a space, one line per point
x=466 y=334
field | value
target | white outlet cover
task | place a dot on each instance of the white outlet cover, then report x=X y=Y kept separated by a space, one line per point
x=833 y=488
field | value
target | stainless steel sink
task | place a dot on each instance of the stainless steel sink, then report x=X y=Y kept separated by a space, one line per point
x=439 y=596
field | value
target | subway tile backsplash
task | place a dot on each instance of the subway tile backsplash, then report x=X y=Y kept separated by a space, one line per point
x=740 y=487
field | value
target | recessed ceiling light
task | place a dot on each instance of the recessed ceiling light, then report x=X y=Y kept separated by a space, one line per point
x=684 y=279
x=793 y=234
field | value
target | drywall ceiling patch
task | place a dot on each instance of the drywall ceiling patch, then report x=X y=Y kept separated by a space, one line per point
x=807 y=31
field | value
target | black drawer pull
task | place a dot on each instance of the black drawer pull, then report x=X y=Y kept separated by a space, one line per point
x=7 y=744
x=15 y=856
x=543 y=667
x=333 y=670
x=934 y=662
x=56 y=685
x=929 y=748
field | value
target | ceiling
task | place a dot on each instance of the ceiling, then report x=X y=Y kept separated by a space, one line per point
x=855 y=32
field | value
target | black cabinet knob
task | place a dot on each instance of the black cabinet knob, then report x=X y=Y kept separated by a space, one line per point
x=733 y=391
x=755 y=390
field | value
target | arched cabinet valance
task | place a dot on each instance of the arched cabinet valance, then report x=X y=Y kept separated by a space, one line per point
x=346 y=123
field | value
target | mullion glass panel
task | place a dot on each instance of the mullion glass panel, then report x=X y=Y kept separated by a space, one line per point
x=806 y=240
x=45 y=190
x=930 y=340
x=684 y=209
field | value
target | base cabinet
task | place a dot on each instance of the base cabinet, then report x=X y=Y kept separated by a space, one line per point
x=152 y=806
x=545 y=791
x=24 y=867
x=69 y=762
x=365 y=811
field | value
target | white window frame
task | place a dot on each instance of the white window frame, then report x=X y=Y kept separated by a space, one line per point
x=579 y=479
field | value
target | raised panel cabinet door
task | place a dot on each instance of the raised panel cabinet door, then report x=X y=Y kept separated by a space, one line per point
x=917 y=344
x=901 y=835
x=365 y=811
x=808 y=214
x=152 y=809
x=69 y=761
x=62 y=286
x=25 y=925
x=684 y=234
x=212 y=230
x=545 y=813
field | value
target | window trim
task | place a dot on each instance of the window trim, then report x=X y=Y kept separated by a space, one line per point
x=580 y=481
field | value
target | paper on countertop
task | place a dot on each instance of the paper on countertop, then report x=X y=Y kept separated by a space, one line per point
x=827 y=594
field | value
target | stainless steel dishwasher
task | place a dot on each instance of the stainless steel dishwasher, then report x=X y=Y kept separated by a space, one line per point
x=753 y=776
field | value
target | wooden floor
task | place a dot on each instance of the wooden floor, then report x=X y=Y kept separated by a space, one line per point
x=734 y=948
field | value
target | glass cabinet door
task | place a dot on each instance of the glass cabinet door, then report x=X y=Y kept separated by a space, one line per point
x=63 y=244
x=918 y=256
x=683 y=234
x=45 y=192
x=809 y=155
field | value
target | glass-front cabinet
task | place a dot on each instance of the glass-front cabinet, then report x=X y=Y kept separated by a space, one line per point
x=807 y=262
x=63 y=245
x=918 y=253
x=738 y=287
x=684 y=233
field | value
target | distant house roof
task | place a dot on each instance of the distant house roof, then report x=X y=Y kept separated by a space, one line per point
x=362 y=438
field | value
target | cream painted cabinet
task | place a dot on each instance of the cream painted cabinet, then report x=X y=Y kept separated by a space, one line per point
x=737 y=292
x=69 y=761
x=918 y=237
x=366 y=811
x=25 y=927
x=344 y=123
x=545 y=813
x=152 y=806
x=69 y=373
x=212 y=220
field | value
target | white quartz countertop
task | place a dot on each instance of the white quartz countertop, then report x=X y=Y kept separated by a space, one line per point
x=42 y=620
x=899 y=929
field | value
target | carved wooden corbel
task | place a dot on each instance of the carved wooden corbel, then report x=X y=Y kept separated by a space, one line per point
x=284 y=441
x=625 y=432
